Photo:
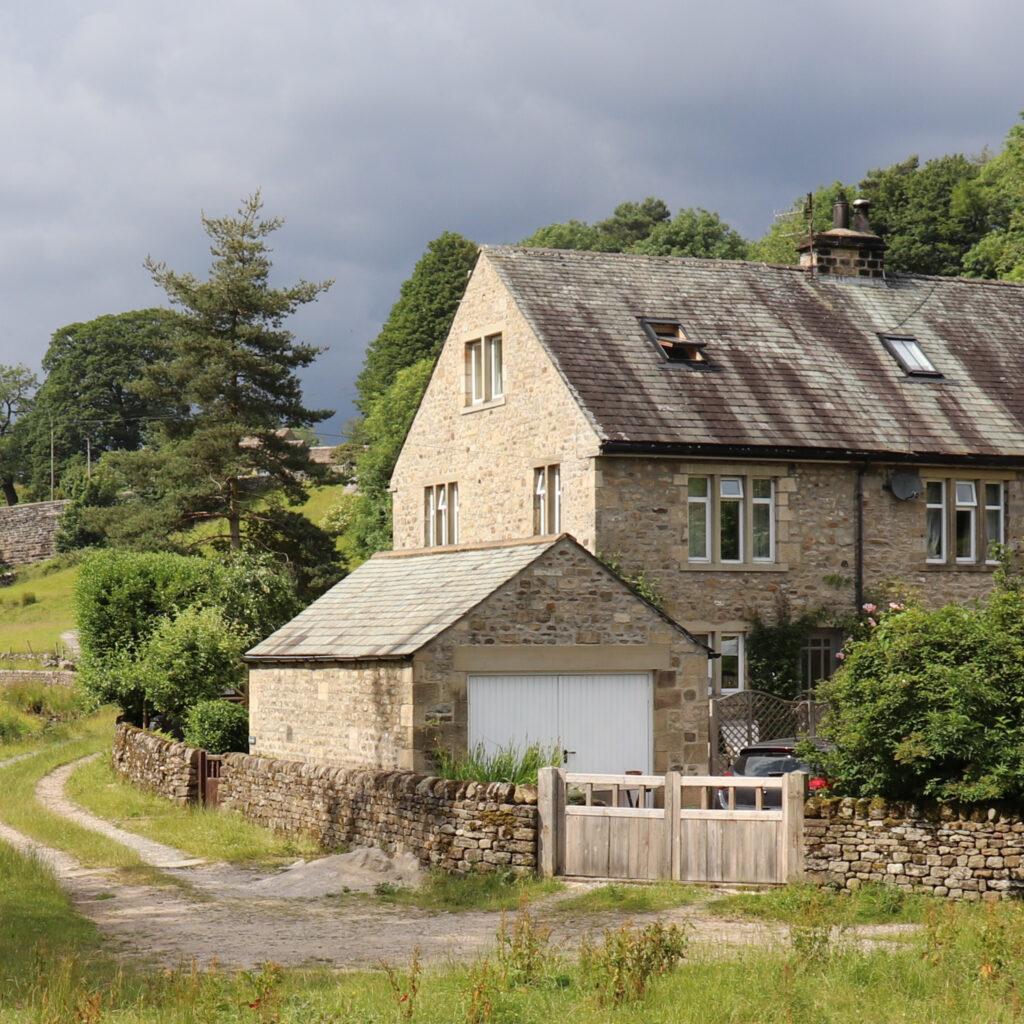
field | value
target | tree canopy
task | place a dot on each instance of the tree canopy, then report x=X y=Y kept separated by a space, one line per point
x=419 y=321
x=89 y=403
x=17 y=384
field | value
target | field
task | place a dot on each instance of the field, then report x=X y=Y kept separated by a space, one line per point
x=39 y=607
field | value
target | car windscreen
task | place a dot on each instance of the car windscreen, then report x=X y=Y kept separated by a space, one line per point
x=768 y=764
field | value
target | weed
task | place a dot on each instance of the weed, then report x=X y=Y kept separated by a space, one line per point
x=404 y=989
x=266 y=991
x=523 y=949
x=623 y=966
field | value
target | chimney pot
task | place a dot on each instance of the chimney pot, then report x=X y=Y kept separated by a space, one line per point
x=860 y=216
x=841 y=214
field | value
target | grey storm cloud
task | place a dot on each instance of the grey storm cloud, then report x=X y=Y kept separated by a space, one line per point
x=372 y=128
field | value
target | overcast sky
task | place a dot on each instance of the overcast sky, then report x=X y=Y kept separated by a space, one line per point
x=374 y=127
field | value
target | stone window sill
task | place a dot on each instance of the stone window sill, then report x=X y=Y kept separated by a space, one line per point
x=736 y=566
x=494 y=403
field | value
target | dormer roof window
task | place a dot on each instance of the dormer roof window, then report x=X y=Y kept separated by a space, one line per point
x=672 y=342
x=907 y=351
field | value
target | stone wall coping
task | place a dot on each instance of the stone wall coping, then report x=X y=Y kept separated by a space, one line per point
x=877 y=809
x=395 y=782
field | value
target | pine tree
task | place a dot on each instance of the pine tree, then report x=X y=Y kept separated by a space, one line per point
x=234 y=367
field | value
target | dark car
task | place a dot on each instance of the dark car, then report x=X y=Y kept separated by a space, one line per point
x=770 y=759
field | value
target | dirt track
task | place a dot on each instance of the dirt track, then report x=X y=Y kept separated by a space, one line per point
x=234 y=915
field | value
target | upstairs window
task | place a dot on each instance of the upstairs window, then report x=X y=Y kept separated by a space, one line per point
x=672 y=341
x=731 y=519
x=547 y=500
x=967 y=516
x=907 y=351
x=441 y=515
x=484 y=370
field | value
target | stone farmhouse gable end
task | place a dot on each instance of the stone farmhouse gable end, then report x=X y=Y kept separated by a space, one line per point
x=381 y=670
x=762 y=441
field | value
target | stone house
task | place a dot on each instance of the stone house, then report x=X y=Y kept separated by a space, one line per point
x=763 y=442
x=533 y=640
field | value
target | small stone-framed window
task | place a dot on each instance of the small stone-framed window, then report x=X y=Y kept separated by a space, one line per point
x=440 y=515
x=485 y=380
x=547 y=499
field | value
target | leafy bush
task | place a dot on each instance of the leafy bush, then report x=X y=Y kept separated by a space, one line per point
x=504 y=764
x=191 y=657
x=930 y=704
x=217 y=726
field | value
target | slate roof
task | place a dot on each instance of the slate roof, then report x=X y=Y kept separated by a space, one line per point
x=795 y=361
x=396 y=602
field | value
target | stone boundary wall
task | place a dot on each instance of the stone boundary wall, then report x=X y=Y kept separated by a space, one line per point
x=454 y=826
x=160 y=765
x=960 y=853
x=27 y=531
x=10 y=676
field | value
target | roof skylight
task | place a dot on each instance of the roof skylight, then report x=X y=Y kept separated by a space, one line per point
x=908 y=353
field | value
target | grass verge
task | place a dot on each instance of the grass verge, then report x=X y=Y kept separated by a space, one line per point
x=20 y=809
x=211 y=834
x=792 y=904
x=622 y=898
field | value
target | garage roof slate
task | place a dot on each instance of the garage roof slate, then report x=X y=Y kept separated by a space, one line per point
x=794 y=361
x=396 y=602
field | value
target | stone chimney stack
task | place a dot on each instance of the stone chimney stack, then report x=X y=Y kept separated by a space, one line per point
x=842 y=251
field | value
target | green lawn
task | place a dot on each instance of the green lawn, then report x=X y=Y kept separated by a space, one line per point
x=36 y=609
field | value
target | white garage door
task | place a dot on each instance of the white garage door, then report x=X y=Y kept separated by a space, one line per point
x=602 y=722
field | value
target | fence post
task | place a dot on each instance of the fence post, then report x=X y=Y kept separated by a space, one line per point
x=794 y=794
x=670 y=867
x=551 y=820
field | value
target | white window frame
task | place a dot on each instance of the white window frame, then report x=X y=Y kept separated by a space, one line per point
x=970 y=501
x=930 y=506
x=1000 y=510
x=717 y=640
x=965 y=494
x=738 y=490
x=441 y=515
x=485 y=377
x=547 y=499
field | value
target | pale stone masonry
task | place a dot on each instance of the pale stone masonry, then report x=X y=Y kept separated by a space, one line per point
x=970 y=854
x=27 y=531
x=789 y=382
x=430 y=620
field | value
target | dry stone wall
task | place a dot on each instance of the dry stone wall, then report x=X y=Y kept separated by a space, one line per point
x=27 y=531
x=454 y=826
x=160 y=765
x=966 y=854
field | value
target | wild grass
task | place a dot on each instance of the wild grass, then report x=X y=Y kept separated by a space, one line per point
x=870 y=904
x=494 y=890
x=213 y=834
x=509 y=763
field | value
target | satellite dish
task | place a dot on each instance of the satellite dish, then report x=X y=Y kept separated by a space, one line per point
x=906 y=486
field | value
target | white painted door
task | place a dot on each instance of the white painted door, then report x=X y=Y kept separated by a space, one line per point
x=603 y=722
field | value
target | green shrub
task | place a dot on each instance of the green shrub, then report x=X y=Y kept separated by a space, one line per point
x=930 y=704
x=191 y=657
x=217 y=726
x=16 y=724
x=504 y=764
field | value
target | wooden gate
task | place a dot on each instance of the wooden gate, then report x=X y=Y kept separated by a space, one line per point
x=209 y=778
x=647 y=827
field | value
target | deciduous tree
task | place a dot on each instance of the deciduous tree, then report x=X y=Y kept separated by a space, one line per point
x=17 y=384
